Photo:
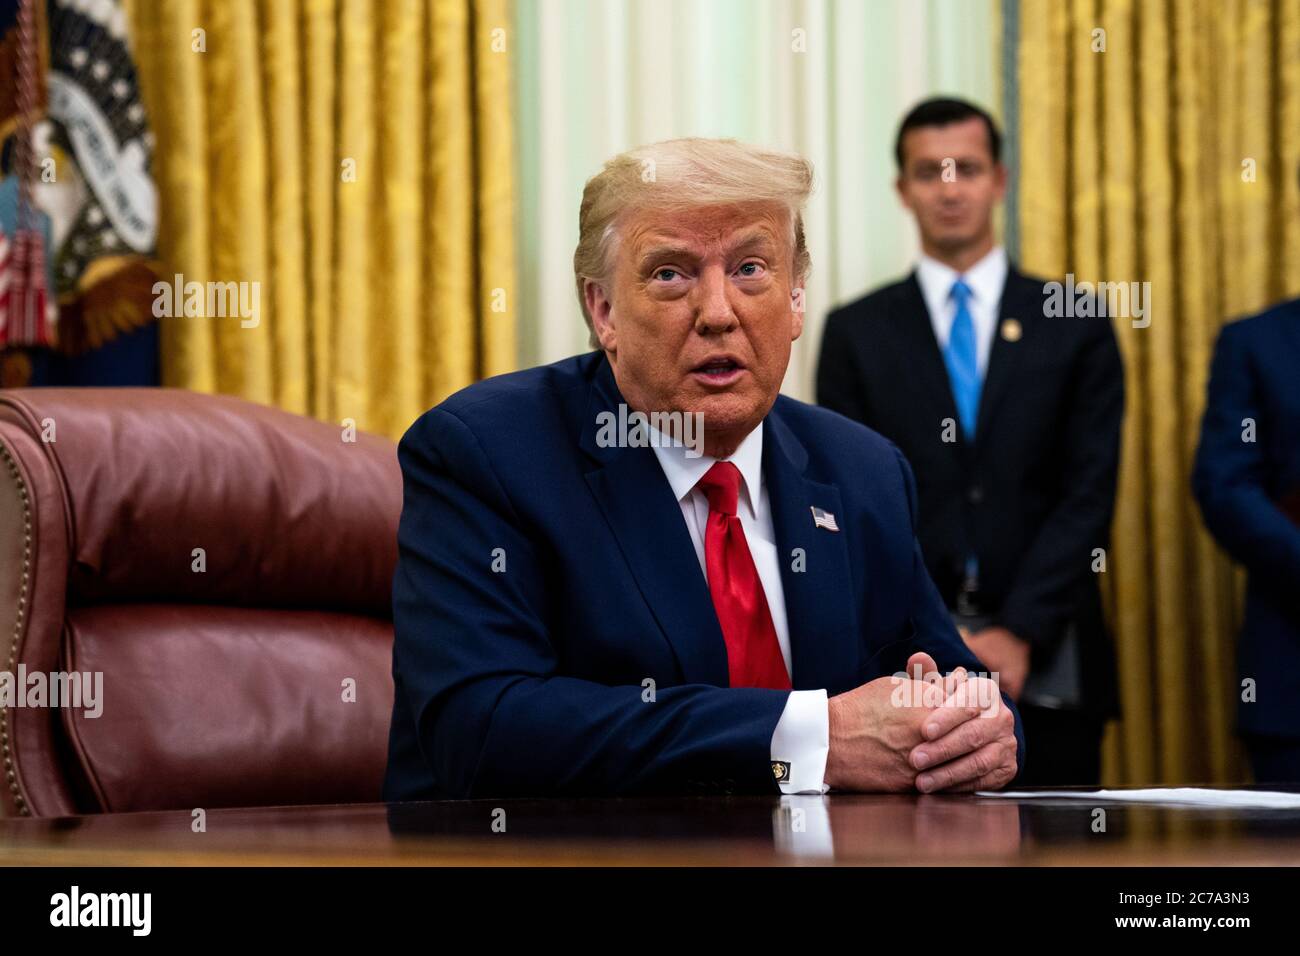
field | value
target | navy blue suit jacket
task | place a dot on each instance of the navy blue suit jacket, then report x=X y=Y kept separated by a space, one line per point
x=529 y=679
x=1249 y=494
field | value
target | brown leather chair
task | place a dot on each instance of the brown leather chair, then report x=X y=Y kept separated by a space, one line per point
x=226 y=670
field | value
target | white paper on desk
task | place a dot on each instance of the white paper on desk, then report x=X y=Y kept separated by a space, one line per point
x=1185 y=796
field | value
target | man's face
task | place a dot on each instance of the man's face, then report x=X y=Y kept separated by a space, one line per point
x=953 y=211
x=698 y=314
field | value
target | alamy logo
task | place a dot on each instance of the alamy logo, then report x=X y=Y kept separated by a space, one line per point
x=210 y=300
x=75 y=908
x=1086 y=300
x=918 y=690
x=655 y=430
x=57 y=689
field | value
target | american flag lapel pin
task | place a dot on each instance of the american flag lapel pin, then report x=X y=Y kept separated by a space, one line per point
x=824 y=519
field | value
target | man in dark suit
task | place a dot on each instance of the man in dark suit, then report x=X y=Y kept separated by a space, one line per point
x=1010 y=416
x=715 y=598
x=1247 y=481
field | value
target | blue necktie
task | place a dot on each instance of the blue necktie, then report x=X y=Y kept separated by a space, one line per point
x=960 y=358
x=964 y=374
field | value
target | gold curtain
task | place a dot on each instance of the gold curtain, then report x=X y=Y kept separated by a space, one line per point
x=355 y=159
x=1169 y=155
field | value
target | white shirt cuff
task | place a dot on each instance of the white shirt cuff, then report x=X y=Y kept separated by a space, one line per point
x=803 y=740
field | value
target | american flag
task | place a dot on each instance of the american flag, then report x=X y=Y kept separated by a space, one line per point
x=24 y=301
x=824 y=519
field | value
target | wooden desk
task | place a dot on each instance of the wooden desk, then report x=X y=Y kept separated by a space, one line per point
x=853 y=829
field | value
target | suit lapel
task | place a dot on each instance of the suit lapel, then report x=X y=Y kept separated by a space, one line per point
x=632 y=491
x=1019 y=304
x=824 y=645
x=638 y=503
x=921 y=352
x=924 y=365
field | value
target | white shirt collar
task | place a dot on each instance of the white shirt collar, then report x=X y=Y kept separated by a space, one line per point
x=683 y=472
x=986 y=279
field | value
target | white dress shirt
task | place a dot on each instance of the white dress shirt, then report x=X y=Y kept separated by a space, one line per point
x=986 y=280
x=802 y=735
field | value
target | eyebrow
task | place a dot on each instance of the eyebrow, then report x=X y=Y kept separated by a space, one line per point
x=751 y=240
x=938 y=161
x=666 y=252
x=757 y=239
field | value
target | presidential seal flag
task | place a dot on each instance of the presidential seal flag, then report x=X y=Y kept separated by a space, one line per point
x=82 y=150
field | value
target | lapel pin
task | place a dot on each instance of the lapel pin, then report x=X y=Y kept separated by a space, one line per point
x=1012 y=330
x=824 y=519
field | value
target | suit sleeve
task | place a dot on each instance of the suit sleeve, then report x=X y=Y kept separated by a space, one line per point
x=934 y=631
x=480 y=671
x=1230 y=478
x=840 y=383
x=1059 y=559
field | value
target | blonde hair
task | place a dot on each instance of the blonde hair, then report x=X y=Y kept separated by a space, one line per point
x=681 y=173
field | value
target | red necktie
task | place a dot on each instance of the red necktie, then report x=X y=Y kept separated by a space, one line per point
x=753 y=654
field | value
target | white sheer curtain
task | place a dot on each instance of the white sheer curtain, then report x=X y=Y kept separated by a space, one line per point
x=827 y=78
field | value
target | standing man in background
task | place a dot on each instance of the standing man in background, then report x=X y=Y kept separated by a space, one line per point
x=1247 y=481
x=1011 y=421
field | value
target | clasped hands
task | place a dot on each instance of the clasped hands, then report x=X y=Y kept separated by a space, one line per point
x=930 y=734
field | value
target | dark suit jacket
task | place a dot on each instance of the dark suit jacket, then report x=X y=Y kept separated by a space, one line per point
x=530 y=681
x=1033 y=496
x=1249 y=493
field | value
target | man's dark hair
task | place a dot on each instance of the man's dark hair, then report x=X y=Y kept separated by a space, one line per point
x=943 y=112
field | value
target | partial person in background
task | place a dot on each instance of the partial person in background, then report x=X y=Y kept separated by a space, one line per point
x=1247 y=481
x=1011 y=420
